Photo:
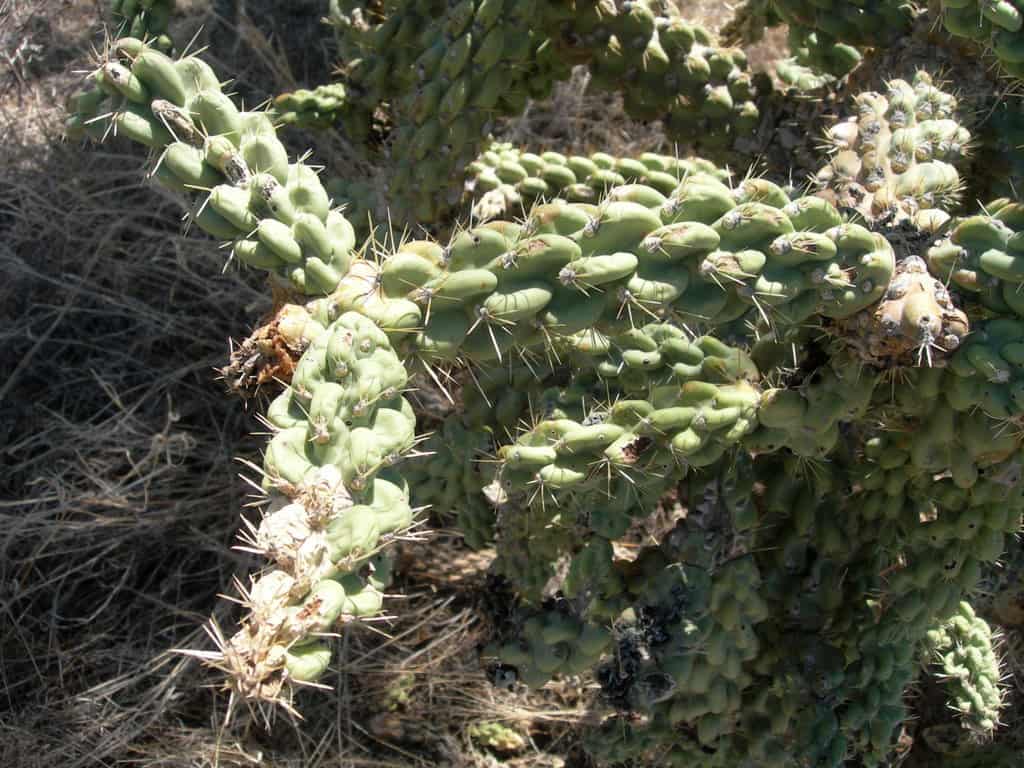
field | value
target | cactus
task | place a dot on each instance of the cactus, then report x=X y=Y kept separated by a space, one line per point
x=665 y=67
x=830 y=383
x=504 y=180
x=144 y=19
x=826 y=37
x=333 y=503
x=497 y=737
x=962 y=647
x=898 y=154
x=994 y=23
x=277 y=213
x=446 y=70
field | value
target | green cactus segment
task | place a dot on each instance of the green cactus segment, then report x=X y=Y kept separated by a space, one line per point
x=665 y=67
x=966 y=662
x=551 y=642
x=497 y=737
x=659 y=354
x=983 y=257
x=335 y=502
x=860 y=23
x=691 y=422
x=989 y=372
x=276 y=213
x=446 y=70
x=826 y=37
x=450 y=477
x=875 y=570
x=577 y=274
x=899 y=154
x=144 y=19
x=699 y=675
x=588 y=467
x=320 y=107
x=996 y=24
x=818 y=60
x=504 y=180
x=807 y=420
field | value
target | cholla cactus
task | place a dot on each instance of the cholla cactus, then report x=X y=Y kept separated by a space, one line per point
x=898 y=154
x=446 y=70
x=144 y=19
x=995 y=23
x=967 y=663
x=831 y=388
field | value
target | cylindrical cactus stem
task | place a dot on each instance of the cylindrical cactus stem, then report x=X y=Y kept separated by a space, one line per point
x=996 y=24
x=665 y=67
x=335 y=502
x=275 y=213
x=574 y=274
x=965 y=660
x=980 y=258
x=144 y=19
x=504 y=180
x=898 y=156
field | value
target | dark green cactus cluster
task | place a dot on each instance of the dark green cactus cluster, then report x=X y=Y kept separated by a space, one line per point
x=665 y=67
x=446 y=70
x=996 y=24
x=855 y=22
x=742 y=454
x=1000 y=164
x=450 y=477
x=817 y=60
x=144 y=19
x=827 y=38
x=552 y=642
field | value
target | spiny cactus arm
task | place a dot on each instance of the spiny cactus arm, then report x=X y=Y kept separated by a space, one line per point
x=577 y=273
x=334 y=503
x=573 y=275
x=503 y=179
x=962 y=649
x=979 y=257
x=144 y=19
x=276 y=213
x=865 y=23
x=997 y=24
x=818 y=60
x=665 y=67
x=825 y=38
x=445 y=71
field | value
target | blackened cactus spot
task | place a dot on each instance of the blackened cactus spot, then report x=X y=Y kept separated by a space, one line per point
x=635 y=449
